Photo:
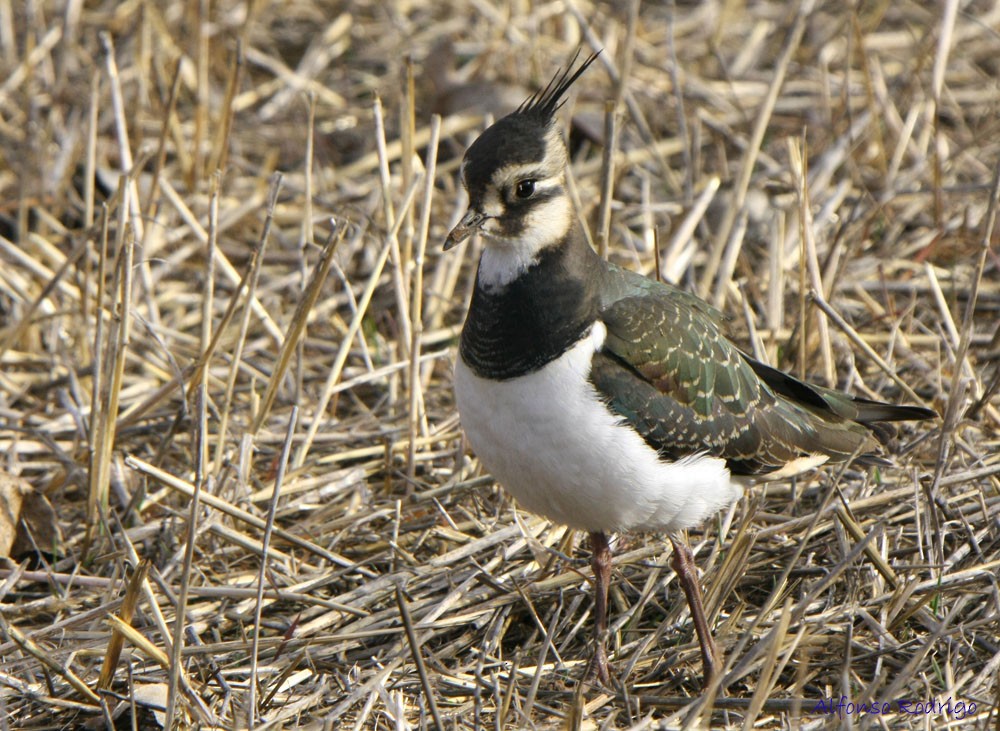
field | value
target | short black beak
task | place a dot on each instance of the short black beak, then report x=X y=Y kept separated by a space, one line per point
x=469 y=224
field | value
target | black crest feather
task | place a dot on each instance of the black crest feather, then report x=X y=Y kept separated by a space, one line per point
x=544 y=103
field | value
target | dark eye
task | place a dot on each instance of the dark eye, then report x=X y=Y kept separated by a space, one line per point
x=525 y=189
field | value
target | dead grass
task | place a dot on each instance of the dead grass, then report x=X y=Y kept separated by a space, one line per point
x=251 y=407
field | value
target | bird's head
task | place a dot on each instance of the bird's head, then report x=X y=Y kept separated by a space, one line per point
x=515 y=174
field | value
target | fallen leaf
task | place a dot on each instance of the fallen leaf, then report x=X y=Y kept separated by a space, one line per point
x=12 y=490
x=27 y=519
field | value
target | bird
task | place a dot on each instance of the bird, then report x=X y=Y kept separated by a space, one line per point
x=605 y=400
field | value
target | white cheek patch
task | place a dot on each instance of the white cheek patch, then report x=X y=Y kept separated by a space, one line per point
x=492 y=206
x=547 y=222
x=506 y=258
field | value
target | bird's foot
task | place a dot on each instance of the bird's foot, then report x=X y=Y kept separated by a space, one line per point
x=598 y=671
x=711 y=663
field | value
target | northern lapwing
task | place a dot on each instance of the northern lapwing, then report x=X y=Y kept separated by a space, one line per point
x=605 y=400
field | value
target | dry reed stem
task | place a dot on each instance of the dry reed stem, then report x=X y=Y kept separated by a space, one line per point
x=126 y=613
x=298 y=324
x=286 y=448
x=607 y=176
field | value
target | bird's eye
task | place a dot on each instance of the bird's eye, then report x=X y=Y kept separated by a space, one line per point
x=525 y=189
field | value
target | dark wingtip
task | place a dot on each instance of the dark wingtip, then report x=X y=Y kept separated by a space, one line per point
x=545 y=102
x=875 y=411
x=879 y=418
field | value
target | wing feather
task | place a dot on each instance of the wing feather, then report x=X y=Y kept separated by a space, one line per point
x=669 y=371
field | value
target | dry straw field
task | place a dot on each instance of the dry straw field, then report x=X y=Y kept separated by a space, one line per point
x=227 y=329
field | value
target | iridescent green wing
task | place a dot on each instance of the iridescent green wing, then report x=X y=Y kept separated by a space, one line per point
x=668 y=370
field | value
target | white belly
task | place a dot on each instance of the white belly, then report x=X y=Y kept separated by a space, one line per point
x=553 y=445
